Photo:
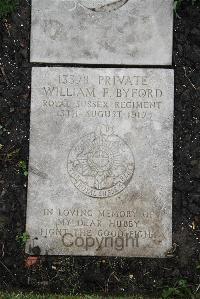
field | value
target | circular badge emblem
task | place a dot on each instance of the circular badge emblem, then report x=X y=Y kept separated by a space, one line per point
x=102 y=5
x=101 y=164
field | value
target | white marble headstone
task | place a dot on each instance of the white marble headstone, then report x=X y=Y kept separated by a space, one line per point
x=100 y=168
x=130 y=32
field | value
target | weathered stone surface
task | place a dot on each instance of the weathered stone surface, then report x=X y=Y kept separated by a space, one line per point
x=131 y=32
x=100 y=168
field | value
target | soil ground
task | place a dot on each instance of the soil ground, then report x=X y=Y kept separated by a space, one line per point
x=72 y=275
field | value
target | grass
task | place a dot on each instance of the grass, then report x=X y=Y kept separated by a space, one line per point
x=173 y=295
x=178 y=3
x=22 y=238
x=7 y=7
x=23 y=167
x=180 y=290
x=35 y=296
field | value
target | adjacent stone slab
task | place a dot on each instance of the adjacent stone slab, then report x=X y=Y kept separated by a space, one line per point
x=131 y=32
x=100 y=173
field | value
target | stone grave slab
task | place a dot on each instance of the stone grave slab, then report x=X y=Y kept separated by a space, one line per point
x=100 y=168
x=129 y=32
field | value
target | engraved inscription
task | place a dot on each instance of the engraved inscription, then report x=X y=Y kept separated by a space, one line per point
x=101 y=164
x=103 y=5
x=110 y=97
x=103 y=187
